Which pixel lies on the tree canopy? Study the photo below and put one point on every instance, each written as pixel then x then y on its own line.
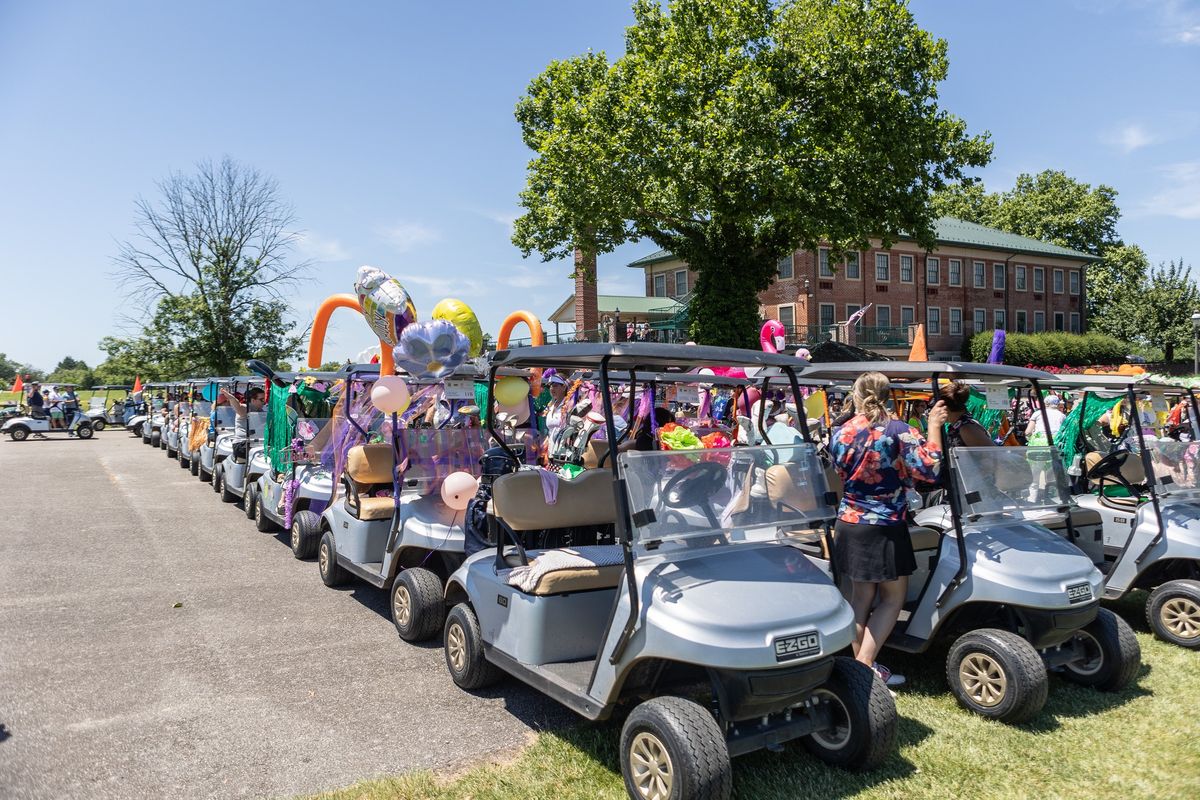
pixel 731 132
pixel 207 267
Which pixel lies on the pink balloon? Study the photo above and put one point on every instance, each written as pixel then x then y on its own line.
pixel 458 488
pixel 390 394
pixel 729 372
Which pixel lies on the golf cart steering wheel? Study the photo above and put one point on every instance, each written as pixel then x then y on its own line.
pixel 1110 467
pixel 692 487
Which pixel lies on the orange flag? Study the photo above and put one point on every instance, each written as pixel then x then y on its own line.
pixel 18 384
pixel 137 384
pixel 918 352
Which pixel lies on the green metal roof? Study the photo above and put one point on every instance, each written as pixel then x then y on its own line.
pixel 636 305
pixel 952 231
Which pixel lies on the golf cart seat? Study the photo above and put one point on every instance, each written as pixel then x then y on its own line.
pixel 570 569
pixel 369 469
pixel 1131 471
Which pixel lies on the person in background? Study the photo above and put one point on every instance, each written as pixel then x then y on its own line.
pixel 916 414
pixel 36 402
pixel 557 410
pixel 1035 431
pixel 53 402
pixel 878 458
pixel 963 430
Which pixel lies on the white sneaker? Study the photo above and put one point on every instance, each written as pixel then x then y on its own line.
pixel 889 678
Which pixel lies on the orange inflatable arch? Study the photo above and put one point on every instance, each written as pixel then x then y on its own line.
pixel 316 339
pixel 535 336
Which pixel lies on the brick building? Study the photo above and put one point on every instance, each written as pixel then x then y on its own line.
pixel 976 278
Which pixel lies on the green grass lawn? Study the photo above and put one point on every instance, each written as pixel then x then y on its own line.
pixel 1141 743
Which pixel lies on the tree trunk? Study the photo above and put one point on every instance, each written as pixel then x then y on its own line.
pixel 724 306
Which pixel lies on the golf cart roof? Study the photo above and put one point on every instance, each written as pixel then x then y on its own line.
pixel 626 356
pixel 1095 381
pixel 114 387
pixel 923 369
pixel 675 377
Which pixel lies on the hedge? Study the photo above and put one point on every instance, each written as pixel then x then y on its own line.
pixel 1053 349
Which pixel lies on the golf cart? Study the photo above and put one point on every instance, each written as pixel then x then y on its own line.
pixel 405 538
pixel 1144 488
pixel 141 424
pixel 720 634
pixel 193 428
pixel 1016 598
pixel 221 419
pixel 115 407
pixel 37 423
pixel 296 488
pixel 232 451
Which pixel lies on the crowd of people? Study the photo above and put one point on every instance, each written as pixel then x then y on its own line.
pixel 57 403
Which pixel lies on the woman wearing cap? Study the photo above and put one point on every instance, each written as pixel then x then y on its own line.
pixel 555 415
pixel 1036 430
pixel 878 458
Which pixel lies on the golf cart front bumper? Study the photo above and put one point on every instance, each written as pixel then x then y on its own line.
pixel 1047 628
pixel 753 694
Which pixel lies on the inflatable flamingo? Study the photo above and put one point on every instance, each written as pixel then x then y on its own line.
pixel 773 336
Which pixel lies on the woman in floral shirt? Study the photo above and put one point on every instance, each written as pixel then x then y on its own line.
pixel 878 458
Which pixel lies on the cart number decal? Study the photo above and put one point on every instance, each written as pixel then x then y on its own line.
pixel 1079 593
pixel 800 645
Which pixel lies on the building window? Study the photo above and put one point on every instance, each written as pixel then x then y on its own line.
pixel 932 270
pixel 883 267
pixel 1019 278
pixel 1039 321
pixel 852 270
pixel 1075 322
pixel 1039 279
pixel 827 312
pixel 1058 281
pixel 954 272
pixel 906 269
pixel 1074 281
pixel 980 275
pixel 883 316
pixel 823 268
pixel 934 317
pixel 980 319
pixel 1021 322
pixel 787 316
pixel 998 319
pixel 681 282
pixel 956 322
pixel 784 268
pixel 908 316
pixel 998 275
pixel 1059 321
pixel 660 285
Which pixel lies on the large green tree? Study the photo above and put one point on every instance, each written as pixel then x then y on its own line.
pixel 73 370
pixel 10 369
pixel 734 131
pixel 208 264
pixel 1163 309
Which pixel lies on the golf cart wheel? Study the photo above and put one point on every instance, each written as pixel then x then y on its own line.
pixel 162 443
pixel 170 453
pixel 98 425
pixel 863 714
pixel 673 749
pixel 262 522
pixel 183 462
pixel 332 573
pixel 136 430
pixel 155 439
pixel 19 433
pixel 205 475
pixel 305 534
pixel 418 610
pixel 997 674
pixel 194 464
pixel 214 479
pixel 1111 655
pixel 1173 612
pixel 250 500
pixel 84 431
pixel 226 495
pixel 464 650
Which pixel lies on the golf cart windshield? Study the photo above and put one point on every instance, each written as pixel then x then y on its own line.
pixel 1008 480
pixel 225 417
pixel 688 499
pixel 1174 465
pixel 434 454
pixel 256 422
pixel 201 408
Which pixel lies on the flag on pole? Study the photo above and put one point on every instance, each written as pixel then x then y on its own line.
pixel 918 352
pixel 137 384
pixel 18 384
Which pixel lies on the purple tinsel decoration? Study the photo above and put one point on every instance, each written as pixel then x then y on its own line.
pixel 289 501
pixel 997 354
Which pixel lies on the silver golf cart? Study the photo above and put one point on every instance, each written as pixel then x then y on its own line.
pixel 108 405
pixel 1015 597
pixel 722 633
pixel 233 454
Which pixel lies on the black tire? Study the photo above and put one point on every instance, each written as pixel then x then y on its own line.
pixel 19 433
pixel 864 716
pixel 305 534
pixel 464 651
pixel 418 607
pixel 1006 677
pixel 170 453
pixel 1173 612
pixel 205 475
pixel 226 495
pixel 155 439
pixel 332 573
pixel 84 431
pixel 1112 655
pixel 98 424
pixel 212 478
pixel 673 748
pixel 194 463
pixel 162 443
pixel 250 500
pixel 262 522
pixel 184 463
pixel 136 430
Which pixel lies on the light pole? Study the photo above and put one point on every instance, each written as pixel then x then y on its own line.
pixel 1196 343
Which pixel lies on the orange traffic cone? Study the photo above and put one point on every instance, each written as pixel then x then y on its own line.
pixel 918 352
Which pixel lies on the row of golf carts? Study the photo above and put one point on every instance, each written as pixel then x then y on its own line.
pixel 108 406
pixel 692 592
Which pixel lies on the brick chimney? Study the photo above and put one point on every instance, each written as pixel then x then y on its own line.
pixel 587 313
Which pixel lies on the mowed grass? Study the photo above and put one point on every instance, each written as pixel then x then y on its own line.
pixel 1143 742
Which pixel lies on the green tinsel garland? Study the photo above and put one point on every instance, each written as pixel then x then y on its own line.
pixel 281 429
pixel 1067 438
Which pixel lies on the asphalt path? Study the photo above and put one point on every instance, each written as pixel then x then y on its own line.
pixel 154 644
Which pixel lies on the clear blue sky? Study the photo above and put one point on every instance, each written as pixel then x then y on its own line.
pixel 389 127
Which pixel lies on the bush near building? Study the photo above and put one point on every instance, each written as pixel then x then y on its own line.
pixel 1053 349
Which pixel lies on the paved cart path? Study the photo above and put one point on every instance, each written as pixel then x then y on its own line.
pixel 262 683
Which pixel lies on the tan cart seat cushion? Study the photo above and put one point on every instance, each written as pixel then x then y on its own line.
pixel 570 569
pixel 370 463
pixel 587 499
pixel 375 508
pixel 1131 470
pixel 924 538
pixel 1080 517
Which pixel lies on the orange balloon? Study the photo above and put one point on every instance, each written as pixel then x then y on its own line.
pixel 316 339
pixel 536 339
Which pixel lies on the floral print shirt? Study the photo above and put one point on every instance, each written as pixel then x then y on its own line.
pixel 876 463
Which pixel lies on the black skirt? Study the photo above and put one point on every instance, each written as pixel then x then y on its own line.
pixel 873 553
